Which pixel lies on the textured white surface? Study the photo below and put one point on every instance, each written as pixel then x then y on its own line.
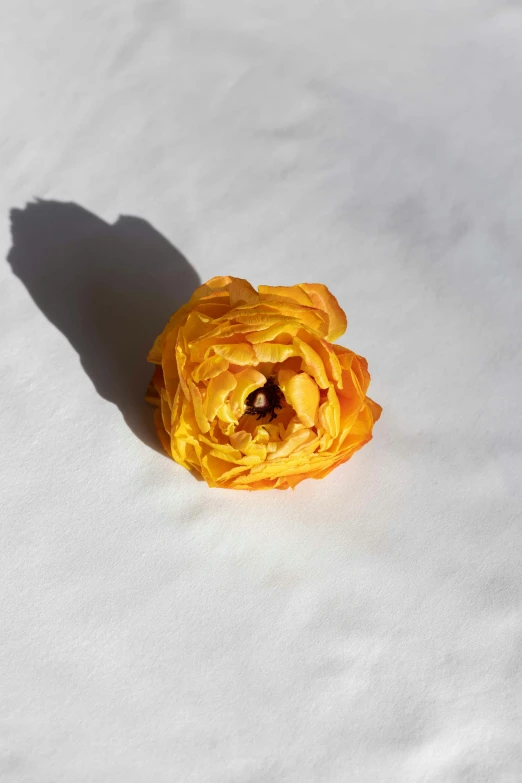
pixel 364 628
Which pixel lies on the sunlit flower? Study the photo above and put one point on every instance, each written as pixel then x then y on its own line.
pixel 251 392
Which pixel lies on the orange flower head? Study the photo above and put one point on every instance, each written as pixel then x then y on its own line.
pixel 250 390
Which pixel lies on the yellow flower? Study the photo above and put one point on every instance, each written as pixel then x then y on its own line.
pixel 250 391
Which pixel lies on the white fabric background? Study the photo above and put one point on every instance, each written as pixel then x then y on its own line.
pixel 364 628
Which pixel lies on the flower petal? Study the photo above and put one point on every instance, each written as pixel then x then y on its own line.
pixel 312 363
pixel 197 402
pixel 273 352
pixel 283 377
pixel 209 368
pixel 247 381
pixel 169 363
pixel 310 295
pixel 239 290
pixel 259 318
pixel 293 293
pixel 302 393
pixel 324 300
pixel 329 416
pixel 289 445
pixel 239 353
pixel 289 326
pixel 309 317
pixel 239 440
pixel 217 391
pixel 173 325
pixel 330 360
pixel 375 409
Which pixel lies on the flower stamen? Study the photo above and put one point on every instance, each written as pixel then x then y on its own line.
pixel 265 400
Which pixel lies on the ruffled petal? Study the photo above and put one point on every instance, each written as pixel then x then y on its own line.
pixel 246 382
pixel 170 364
pixel 239 290
pixel 289 445
pixel 324 300
pixel 218 390
pixel 302 393
pixel 375 409
pixel 240 353
pixel 314 320
pixel 310 295
pixel 209 368
pixel 292 293
pixel 288 326
pixel 312 363
pixel 240 440
pixel 330 360
pixel 199 412
pixel 272 352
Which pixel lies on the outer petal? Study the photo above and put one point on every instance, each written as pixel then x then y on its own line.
pixel 293 293
pixel 174 323
pixel 199 411
pixel 375 409
pixel 313 295
pixel 240 291
pixel 324 300
pixel 309 317
pixel 287 326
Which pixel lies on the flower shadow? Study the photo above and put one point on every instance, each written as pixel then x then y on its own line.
pixel 109 288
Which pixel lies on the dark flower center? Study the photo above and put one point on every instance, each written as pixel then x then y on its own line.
pixel 265 400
